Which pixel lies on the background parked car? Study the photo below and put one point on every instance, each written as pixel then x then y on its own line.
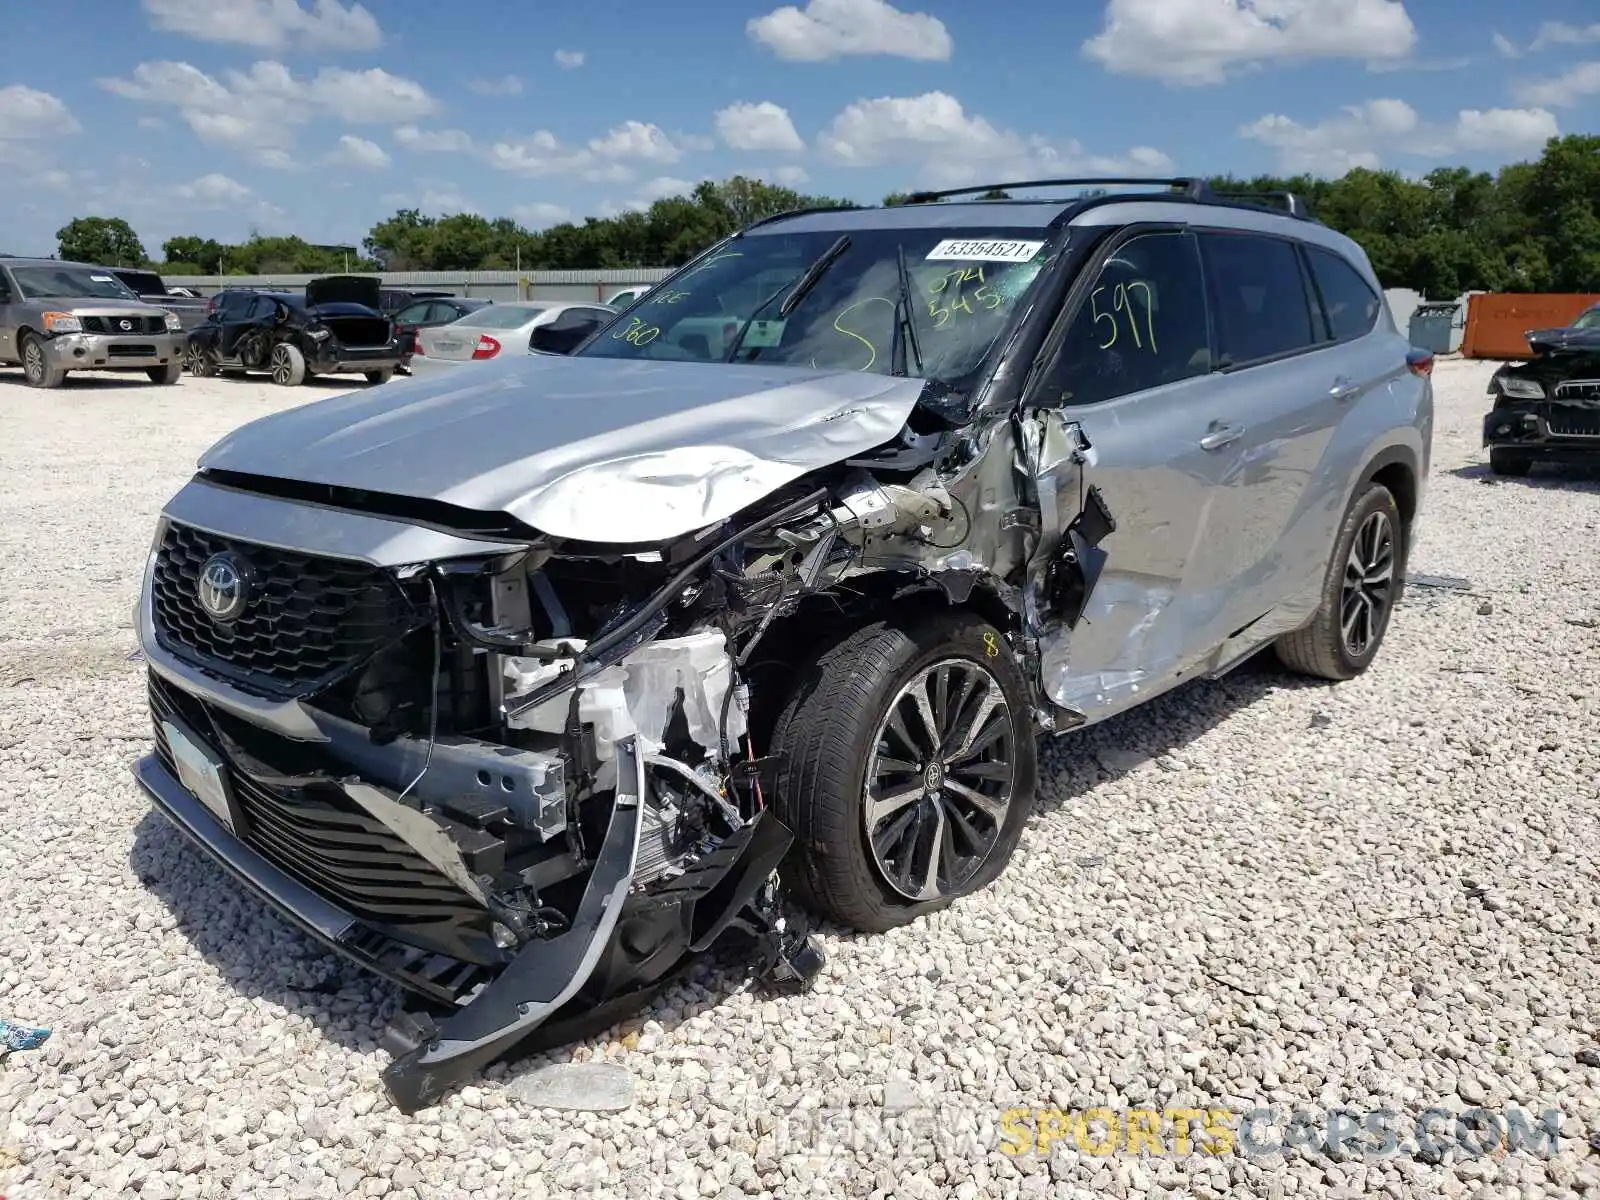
pixel 508 329
pixel 57 317
pixel 621 300
pixel 325 331
pixel 424 314
pixel 152 289
pixel 392 299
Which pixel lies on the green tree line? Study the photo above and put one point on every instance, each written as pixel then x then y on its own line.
pixel 1529 227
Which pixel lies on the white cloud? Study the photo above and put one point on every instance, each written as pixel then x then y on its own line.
pixel 791 176
pixel 152 124
pixel 571 60
pixel 212 191
pixel 541 213
pixel 506 85
pixel 437 141
pixel 763 126
pixel 442 199
pixel 1505 47
pixel 1362 134
pixel 26 113
pixel 955 148
pixel 636 139
pixel 663 186
pixel 1559 33
pixel 1194 42
pixel 256 112
pixel 543 154
pixel 269 24
pixel 1570 87
pixel 827 29
pixel 354 151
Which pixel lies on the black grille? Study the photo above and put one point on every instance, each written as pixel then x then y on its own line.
pixel 114 324
pixel 333 846
pixel 309 620
pixel 1579 389
pixel 1572 421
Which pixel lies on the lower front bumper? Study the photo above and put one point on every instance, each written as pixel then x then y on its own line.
pixel 1530 431
pixel 114 352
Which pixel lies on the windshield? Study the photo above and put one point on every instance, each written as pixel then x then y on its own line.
pixel 69 283
pixel 500 316
pixel 145 283
pixel 1589 320
pixel 965 285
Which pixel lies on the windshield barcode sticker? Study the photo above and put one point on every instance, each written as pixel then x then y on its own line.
pixel 971 250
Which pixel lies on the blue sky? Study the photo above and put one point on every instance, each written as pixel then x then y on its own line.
pixel 321 117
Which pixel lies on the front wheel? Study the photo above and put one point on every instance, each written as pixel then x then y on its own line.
pixel 1358 595
pixel 170 373
pixel 37 368
pixel 199 362
pixel 909 767
pixel 380 376
pixel 288 365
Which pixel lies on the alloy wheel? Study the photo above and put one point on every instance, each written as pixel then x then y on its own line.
pixel 941 780
pixel 282 368
pixel 33 362
pixel 1368 585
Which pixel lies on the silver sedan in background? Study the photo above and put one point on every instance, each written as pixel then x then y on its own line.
pixel 503 329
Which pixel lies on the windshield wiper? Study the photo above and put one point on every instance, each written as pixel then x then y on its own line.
pixel 905 324
pixel 795 294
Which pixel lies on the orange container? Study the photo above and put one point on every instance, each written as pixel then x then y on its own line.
pixel 1498 321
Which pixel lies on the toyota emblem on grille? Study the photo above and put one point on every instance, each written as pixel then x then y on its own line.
pixel 223 588
pixel 125 325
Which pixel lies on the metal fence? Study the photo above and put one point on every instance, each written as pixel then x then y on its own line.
pixel 489 285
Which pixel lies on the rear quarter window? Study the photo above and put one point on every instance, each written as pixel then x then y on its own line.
pixel 1349 302
pixel 1260 302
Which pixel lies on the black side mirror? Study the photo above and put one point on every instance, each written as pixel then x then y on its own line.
pixel 551 340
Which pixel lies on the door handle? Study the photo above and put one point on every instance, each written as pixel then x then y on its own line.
pixel 1343 388
pixel 1220 436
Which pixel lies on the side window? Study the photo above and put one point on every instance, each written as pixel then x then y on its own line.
pixel 439 311
pixel 412 313
pixel 235 305
pixel 260 308
pixel 1142 325
pixel 1349 302
pixel 5 289
pixel 1259 297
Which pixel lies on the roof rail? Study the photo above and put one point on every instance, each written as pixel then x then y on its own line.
pixel 1101 181
pixel 796 212
pixel 1188 188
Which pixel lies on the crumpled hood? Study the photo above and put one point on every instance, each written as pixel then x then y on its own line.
pixel 1564 338
pixel 596 449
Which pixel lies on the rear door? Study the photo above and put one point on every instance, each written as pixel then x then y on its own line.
pixel 1134 373
pixel 1285 398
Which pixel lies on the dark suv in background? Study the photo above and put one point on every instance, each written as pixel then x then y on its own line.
pixel 333 328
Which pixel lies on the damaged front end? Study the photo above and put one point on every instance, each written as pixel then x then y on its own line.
pixel 522 775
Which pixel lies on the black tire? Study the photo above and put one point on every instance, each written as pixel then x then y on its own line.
pixel 380 376
pixel 37 369
pixel 170 373
pixel 288 365
pixel 199 361
pixel 1511 463
pixel 827 735
pixel 1322 649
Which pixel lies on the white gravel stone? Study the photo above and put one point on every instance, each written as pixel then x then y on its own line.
pixel 1256 891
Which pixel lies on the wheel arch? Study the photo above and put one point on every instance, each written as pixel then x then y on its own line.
pixel 1397 469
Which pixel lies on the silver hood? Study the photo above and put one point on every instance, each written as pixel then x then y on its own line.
pixel 596 449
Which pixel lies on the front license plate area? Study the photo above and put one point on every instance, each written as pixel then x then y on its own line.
pixel 203 773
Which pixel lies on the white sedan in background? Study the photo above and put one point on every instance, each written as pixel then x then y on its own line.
pixel 497 330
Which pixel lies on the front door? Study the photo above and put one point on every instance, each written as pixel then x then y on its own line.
pixel 1134 374
pixel 8 319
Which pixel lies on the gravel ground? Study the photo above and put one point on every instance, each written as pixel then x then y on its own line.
pixel 1256 892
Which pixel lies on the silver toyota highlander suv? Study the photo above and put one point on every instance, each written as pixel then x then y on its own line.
pixel 57 317
pixel 523 690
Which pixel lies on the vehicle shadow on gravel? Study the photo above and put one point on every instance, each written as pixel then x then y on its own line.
pixel 1544 477
pixel 91 383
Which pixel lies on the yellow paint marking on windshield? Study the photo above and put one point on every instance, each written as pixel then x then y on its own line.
pixel 850 333
pixel 637 333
